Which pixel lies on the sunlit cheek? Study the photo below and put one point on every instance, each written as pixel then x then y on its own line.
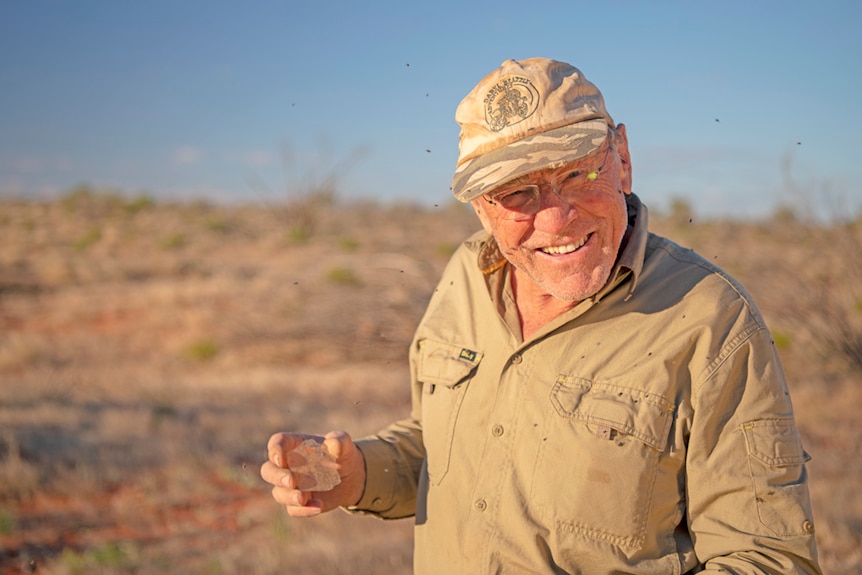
pixel 619 222
pixel 511 243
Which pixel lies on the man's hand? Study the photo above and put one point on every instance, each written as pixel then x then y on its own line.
pixel 349 463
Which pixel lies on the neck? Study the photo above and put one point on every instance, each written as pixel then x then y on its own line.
pixel 536 308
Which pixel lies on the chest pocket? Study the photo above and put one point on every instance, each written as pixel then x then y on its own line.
pixel 597 466
pixel 444 370
pixel 625 410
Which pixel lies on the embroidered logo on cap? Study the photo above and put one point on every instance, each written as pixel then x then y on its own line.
pixel 510 101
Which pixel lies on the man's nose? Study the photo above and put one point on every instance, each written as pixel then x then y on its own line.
pixel 554 211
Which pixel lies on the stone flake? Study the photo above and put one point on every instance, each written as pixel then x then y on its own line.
pixel 313 466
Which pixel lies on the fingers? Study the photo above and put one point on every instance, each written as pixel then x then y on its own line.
pixel 290 497
pixel 350 465
pixel 280 444
pixel 311 509
pixel 277 476
pixel 275 472
pixel 338 443
pixel 298 503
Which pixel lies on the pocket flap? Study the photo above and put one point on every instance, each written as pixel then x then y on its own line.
pixel 643 415
pixel 775 442
pixel 446 364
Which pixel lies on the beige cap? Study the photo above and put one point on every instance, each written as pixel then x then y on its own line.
pixel 527 115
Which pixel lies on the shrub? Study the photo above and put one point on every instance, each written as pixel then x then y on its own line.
pixel 173 241
pixel 202 350
pixel 348 244
pixel 342 276
pixel 90 237
pixel 8 523
pixel 217 224
pixel 110 556
pixel 446 249
pixel 825 301
pixel 781 339
pixel 139 203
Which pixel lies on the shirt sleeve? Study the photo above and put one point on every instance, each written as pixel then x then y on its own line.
pixel 393 458
pixel 746 487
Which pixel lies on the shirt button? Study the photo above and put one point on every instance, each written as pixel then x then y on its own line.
pixel 808 527
pixel 497 430
pixel 516 359
pixel 480 505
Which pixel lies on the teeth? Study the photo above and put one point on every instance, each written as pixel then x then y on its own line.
pixel 566 249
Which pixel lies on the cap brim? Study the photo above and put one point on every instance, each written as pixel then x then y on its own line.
pixel 550 149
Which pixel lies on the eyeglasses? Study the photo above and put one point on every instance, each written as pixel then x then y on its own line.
pixel 523 201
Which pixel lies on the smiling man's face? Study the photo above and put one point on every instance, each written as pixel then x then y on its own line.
pixel 567 249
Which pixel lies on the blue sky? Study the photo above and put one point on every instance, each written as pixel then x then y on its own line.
pixel 734 106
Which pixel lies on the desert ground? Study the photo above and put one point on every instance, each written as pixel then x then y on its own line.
pixel 148 349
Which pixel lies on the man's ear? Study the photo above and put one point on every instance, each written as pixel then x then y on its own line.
pixel 621 143
pixel 479 208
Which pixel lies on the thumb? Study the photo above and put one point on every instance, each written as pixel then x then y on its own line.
pixel 338 443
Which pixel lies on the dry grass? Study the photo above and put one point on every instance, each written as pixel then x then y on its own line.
pixel 147 352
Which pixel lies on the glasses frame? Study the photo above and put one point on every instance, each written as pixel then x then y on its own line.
pixel 533 205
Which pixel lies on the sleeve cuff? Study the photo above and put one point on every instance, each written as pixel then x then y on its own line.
pixel 380 478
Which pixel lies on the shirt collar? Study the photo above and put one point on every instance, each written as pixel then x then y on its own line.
pixel 630 260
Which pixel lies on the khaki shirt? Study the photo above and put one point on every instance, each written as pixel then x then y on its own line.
pixel 647 430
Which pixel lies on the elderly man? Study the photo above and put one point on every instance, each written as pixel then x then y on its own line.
pixel 588 397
